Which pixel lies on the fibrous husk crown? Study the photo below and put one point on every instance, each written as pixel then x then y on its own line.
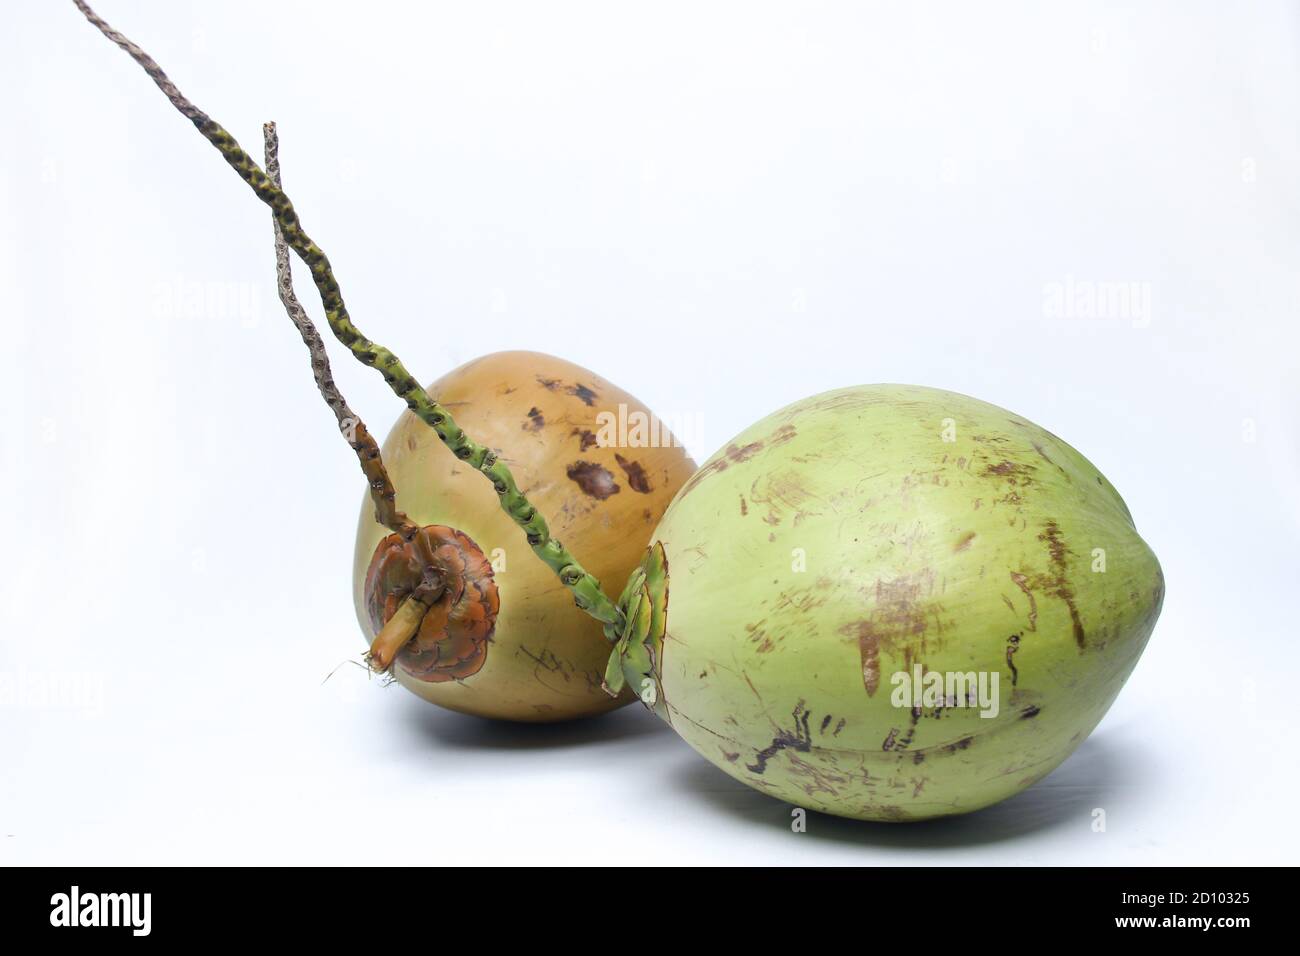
pixel 638 652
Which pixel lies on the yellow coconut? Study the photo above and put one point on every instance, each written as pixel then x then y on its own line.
pixel 505 639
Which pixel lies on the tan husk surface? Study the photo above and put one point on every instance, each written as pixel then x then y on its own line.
pixel 546 658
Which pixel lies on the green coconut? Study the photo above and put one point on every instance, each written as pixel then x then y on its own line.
pixel 889 603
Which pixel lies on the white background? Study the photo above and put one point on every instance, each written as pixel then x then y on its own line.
pixel 723 208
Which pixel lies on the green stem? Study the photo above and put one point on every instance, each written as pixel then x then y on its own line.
pixel 585 588
pixel 350 424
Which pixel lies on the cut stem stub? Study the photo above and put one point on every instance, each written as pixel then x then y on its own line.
pixel 433 603
pixel 401 627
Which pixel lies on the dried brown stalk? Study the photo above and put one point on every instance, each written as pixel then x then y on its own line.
pixel 582 584
pixel 350 424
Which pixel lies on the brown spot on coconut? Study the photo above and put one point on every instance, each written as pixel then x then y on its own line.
pixel 595 480
pixel 584 394
pixel 637 479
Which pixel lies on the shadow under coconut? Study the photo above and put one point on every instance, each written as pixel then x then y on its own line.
pixel 1095 775
pixel 448 728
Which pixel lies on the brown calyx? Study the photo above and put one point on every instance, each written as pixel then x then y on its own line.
pixel 432 603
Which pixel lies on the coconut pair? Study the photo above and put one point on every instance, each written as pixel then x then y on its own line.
pixel 778 606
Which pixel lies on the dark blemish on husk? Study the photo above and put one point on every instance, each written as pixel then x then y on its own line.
pixel 1028 712
pixel 869 651
pixel 898 624
pixel 906 740
pixel 545 660
pixel 735 454
pixel 964 542
pixel 587 395
pixel 782 435
pixel 1054 583
pixel 1022 582
pixel 711 468
pixel 593 479
pixel 582 392
pixel 800 739
pixel 1013 645
pixel 636 477
pixel 1010 470
pixel 1042 454
pixel 826 722
pixel 1059 584
pixel 1015 475
pixel 1007 601
pixel 535 420
pixel 759 636
pixel 957 745
pixel 586 438
pixel 731 758
pixel 890 740
pixel 783 493
pixel 918 757
pixel 838 728
pixel 744 508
